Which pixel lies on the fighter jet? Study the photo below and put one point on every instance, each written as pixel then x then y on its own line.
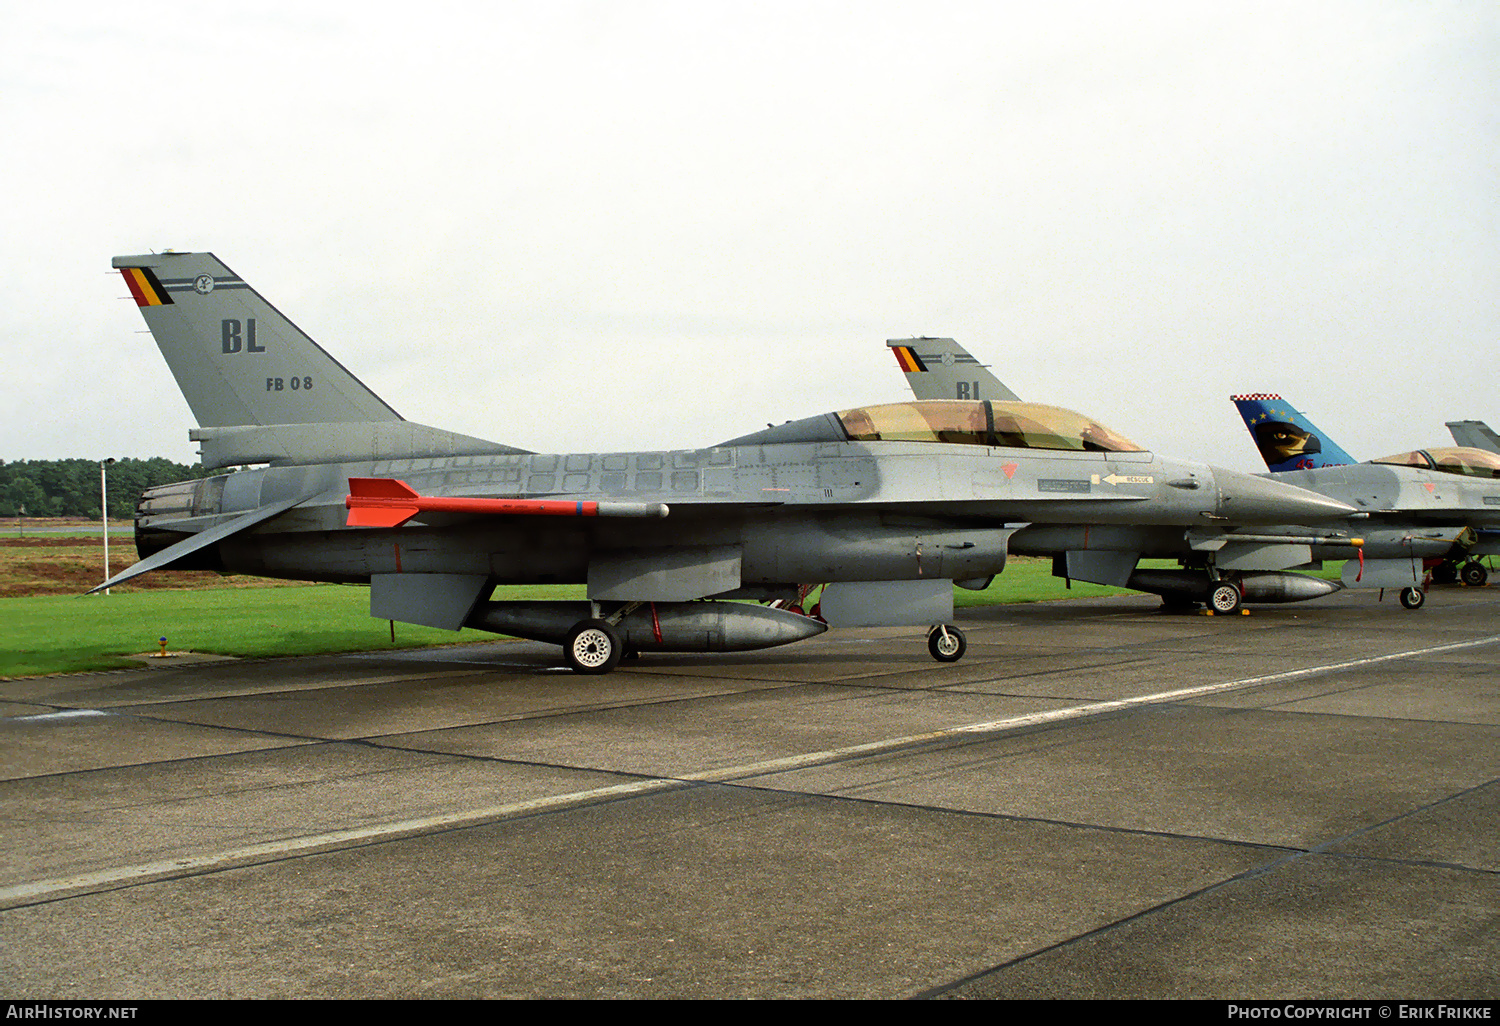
pixel 1436 508
pixel 886 505
pixel 1219 568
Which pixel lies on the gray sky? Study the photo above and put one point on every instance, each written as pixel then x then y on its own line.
pixel 632 225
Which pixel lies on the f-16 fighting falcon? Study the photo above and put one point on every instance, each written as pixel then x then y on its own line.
pixel 1434 509
pixel 888 506
pixel 1219 567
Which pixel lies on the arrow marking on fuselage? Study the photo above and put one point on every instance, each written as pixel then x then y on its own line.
pixel 1118 479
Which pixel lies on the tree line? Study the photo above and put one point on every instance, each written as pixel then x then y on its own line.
pixel 70 488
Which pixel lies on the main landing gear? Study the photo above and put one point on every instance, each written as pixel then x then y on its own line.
pixel 1225 598
pixel 593 646
pixel 1473 573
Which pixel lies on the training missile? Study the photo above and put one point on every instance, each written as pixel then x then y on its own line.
pixel 386 502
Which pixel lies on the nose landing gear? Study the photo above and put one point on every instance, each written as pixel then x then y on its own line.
pixel 946 643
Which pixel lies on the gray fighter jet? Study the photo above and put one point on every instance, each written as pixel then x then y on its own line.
pixel 886 505
pixel 1221 568
pixel 1434 509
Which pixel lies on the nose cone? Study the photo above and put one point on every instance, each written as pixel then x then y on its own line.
pixel 1245 498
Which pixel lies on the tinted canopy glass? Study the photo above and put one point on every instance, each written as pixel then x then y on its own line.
pixel 1450 460
pixel 1012 425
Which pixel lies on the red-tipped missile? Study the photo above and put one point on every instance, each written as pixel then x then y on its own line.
pixel 386 502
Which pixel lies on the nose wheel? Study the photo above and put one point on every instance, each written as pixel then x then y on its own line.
pixel 946 643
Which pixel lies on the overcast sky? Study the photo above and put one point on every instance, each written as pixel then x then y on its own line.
pixel 634 225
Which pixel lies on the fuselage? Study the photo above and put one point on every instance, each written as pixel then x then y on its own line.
pixel 794 511
pixel 1408 511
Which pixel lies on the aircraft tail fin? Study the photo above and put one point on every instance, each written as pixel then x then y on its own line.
pixel 1286 439
pixel 1474 433
pixel 940 368
pixel 237 359
pixel 256 383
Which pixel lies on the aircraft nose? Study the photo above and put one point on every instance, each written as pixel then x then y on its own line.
pixel 1247 498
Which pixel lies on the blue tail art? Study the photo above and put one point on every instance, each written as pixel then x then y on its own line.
pixel 1286 439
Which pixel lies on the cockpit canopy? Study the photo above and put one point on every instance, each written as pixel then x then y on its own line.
pixel 1449 460
pixel 982 422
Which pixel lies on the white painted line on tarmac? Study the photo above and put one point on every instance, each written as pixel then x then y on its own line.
pixel 53 717
pixel 1070 713
pixel 124 876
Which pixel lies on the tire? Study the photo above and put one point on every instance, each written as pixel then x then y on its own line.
pixel 592 646
pixel 947 644
pixel 1474 574
pixel 1412 598
pixel 1225 599
pixel 1444 573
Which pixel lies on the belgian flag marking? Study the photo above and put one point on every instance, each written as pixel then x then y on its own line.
pixel 145 287
pixel 908 359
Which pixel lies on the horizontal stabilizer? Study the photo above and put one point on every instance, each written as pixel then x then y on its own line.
pixel 172 553
pixel 386 502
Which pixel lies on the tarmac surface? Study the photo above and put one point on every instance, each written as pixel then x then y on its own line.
pixel 1098 801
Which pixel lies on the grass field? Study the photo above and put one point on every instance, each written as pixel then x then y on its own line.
pixel 67 633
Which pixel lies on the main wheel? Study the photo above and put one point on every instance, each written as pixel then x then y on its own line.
pixel 592 646
pixel 1444 573
pixel 1474 574
pixel 946 643
pixel 1225 598
pixel 1412 598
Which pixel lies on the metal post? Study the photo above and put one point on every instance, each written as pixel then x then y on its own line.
pixel 104 512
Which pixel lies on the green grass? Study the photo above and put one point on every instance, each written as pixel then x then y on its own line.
pixel 71 633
